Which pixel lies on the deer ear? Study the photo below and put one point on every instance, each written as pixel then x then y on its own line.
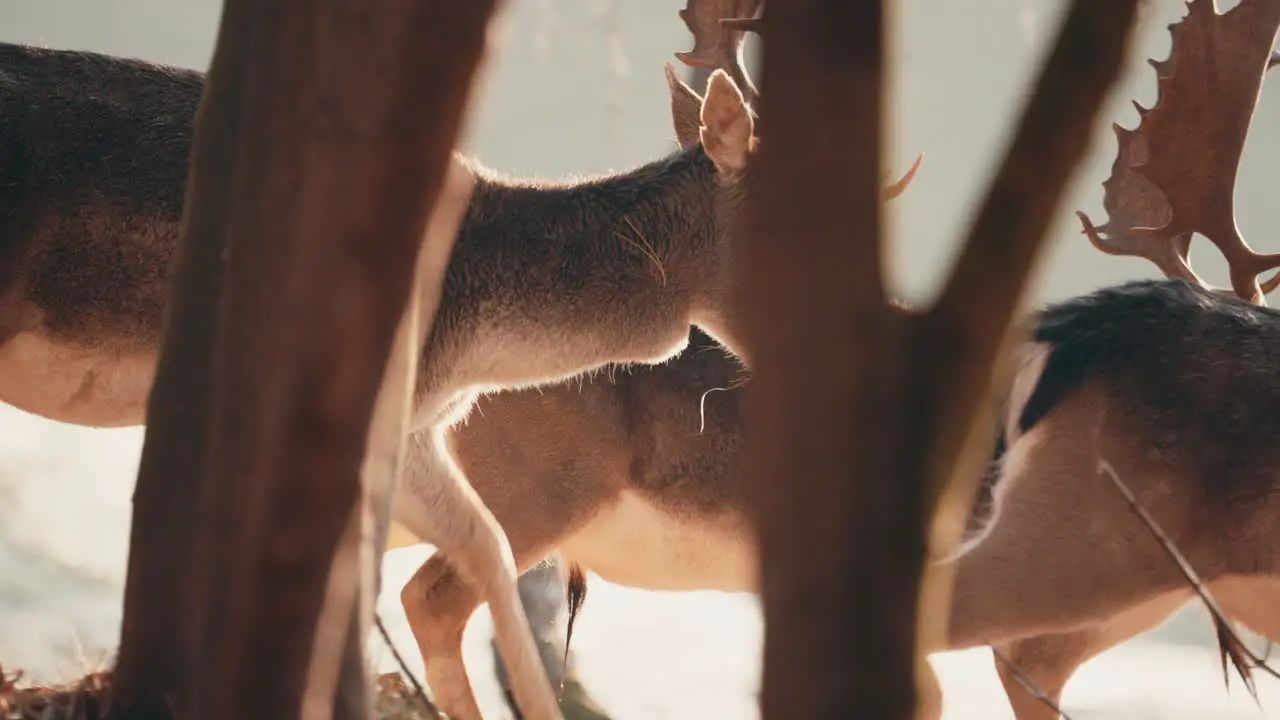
pixel 726 124
pixel 686 108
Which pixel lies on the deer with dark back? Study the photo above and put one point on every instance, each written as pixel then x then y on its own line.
pixel 544 282
pixel 1170 385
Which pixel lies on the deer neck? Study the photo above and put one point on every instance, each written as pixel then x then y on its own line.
pixel 548 280
pixel 652 228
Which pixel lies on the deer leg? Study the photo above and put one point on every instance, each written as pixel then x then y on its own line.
pixel 537 506
pixel 1049 661
pixel 438 605
pixel 438 504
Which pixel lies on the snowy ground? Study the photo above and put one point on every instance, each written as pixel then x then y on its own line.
pixel 64 511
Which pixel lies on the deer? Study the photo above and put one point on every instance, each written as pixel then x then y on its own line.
pixel 1167 386
pixel 545 280
pixel 632 472
pixel 439 599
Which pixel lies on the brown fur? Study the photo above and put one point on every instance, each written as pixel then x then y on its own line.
pixel 545 280
pixel 1066 570
pixel 1175 386
pixel 93 166
pixel 561 466
pixel 91 188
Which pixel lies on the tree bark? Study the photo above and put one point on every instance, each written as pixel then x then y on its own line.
pixel 156 637
pixel 321 148
pixel 859 413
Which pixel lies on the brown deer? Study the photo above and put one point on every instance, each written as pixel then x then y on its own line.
pixel 1170 385
pixel 633 473
pixel 581 466
pixel 545 280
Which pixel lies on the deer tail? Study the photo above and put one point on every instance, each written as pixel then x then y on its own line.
pixel 575 595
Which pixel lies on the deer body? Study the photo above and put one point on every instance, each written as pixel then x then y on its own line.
pixel 1168 388
pixel 93 164
pixel 613 474
pixel 618 472
pixel 1174 385
pixel 543 284
pixel 91 189
pixel 544 281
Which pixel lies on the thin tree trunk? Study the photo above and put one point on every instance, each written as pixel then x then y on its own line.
pixel 321 148
pixel 859 413
pixel 157 638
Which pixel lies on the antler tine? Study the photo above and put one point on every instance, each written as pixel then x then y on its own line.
pixel 903 182
pixel 718 28
pixel 1274 282
pixel 1132 201
pixel 1195 133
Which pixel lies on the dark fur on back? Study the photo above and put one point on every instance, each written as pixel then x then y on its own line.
pixel 93 168
pixel 1197 372
pixel 94 153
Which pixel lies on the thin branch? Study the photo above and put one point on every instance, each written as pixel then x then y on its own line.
pixel 1028 684
pixel 1236 649
pixel 1009 230
pixel 971 320
pixel 419 692
pixel 1053 133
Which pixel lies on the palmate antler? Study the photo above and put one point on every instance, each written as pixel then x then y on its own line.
pixel 719 29
pixel 718 36
pixel 1175 173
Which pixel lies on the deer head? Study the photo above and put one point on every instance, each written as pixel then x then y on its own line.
pixel 719 30
pixel 1175 174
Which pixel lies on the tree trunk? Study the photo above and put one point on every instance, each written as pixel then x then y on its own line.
pixel 321 147
pixel 859 413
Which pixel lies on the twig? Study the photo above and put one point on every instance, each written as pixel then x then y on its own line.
pixel 1229 641
pixel 433 712
pixel 1028 684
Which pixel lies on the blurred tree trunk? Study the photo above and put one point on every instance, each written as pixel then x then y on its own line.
pixel 322 145
pixel 859 413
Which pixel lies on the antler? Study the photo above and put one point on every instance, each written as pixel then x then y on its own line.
pixel 1176 173
pixel 718 28
pixel 899 187
pixel 1131 201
